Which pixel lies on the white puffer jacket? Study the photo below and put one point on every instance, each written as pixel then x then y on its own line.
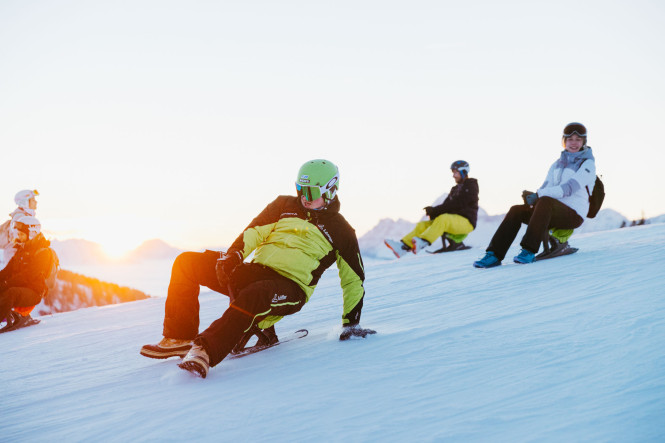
pixel 570 180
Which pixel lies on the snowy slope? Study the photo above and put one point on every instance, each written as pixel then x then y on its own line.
pixel 570 349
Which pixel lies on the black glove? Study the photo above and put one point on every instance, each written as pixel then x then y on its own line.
pixel 428 211
pixel 226 264
pixel 355 331
pixel 529 197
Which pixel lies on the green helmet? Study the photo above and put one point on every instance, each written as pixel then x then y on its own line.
pixel 318 178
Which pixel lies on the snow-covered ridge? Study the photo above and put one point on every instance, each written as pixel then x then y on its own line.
pixel 79 251
pixel 74 291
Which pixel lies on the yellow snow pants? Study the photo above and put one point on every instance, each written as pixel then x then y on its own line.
pixel 431 230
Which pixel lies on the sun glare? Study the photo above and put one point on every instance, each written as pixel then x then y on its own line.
pixel 117 250
pixel 115 238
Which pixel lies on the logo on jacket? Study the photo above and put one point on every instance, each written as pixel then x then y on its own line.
pixel 325 232
pixel 277 298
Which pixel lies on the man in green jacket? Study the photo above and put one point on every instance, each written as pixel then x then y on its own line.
pixel 294 240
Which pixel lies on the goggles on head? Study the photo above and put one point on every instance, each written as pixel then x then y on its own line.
pixel 574 129
pixel 313 192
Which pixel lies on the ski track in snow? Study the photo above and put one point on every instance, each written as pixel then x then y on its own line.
pixel 571 348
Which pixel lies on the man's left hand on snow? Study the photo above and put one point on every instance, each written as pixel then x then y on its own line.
pixel 355 331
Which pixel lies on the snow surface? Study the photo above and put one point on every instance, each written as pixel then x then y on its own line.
pixel 569 349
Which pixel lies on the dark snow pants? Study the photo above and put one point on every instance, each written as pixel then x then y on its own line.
pixel 17 297
pixel 256 292
pixel 547 213
pixel 190 271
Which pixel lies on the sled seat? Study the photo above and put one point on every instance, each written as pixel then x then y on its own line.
pixel 562 235
pixel 452 242
pixel 457 238
pixel 555 239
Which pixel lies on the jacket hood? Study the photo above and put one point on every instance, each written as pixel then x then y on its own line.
pixel 586 153
pixel 568 158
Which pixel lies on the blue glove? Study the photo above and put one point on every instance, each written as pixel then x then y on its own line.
pixel 354 331
pixel 530 198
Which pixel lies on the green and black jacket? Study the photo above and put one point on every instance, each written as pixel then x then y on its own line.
pixel 300 244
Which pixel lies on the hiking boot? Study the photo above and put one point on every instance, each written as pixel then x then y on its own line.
pixel 20 321
pixel 167 347
pixel 196 361
pixel 399 248
pixel 524 257
pixel 418 244
pixel 12 320
pixel 489 261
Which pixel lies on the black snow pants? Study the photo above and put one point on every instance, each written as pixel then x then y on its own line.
pixel 255 290
pixel 17 297
pixel 190 271
pixel 546 214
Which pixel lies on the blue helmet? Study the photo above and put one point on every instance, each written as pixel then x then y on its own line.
pixel 461 166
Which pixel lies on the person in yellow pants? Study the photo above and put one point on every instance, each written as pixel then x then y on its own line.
pixel 457 215
pixel 431 230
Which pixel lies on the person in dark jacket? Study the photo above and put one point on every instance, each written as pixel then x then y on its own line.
pixel 293 241
pixel 457 215
pixel 24 281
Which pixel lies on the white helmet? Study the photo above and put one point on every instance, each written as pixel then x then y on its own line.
pixel 28 225
pixel 22 198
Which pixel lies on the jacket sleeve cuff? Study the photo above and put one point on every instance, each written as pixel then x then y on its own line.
pixel 552 191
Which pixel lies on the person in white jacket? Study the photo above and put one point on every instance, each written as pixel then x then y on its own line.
pixel 561 202
pixel 26 203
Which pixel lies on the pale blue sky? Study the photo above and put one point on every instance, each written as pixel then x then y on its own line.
pixel 182 120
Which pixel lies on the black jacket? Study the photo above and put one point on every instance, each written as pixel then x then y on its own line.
pixel 462 200
pixel 30 266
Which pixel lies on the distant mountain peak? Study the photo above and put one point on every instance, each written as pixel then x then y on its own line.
pixel 153 249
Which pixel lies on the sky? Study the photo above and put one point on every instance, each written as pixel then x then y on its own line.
pixel 182 120
pixel 461 355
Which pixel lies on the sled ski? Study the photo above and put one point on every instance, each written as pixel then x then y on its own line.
pixel 461 247
pixel 553 247
pixel 561 250
pixel 261 344
pixel 18 322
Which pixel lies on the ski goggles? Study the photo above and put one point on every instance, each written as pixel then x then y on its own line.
pixel 578 129
pixel 313 192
